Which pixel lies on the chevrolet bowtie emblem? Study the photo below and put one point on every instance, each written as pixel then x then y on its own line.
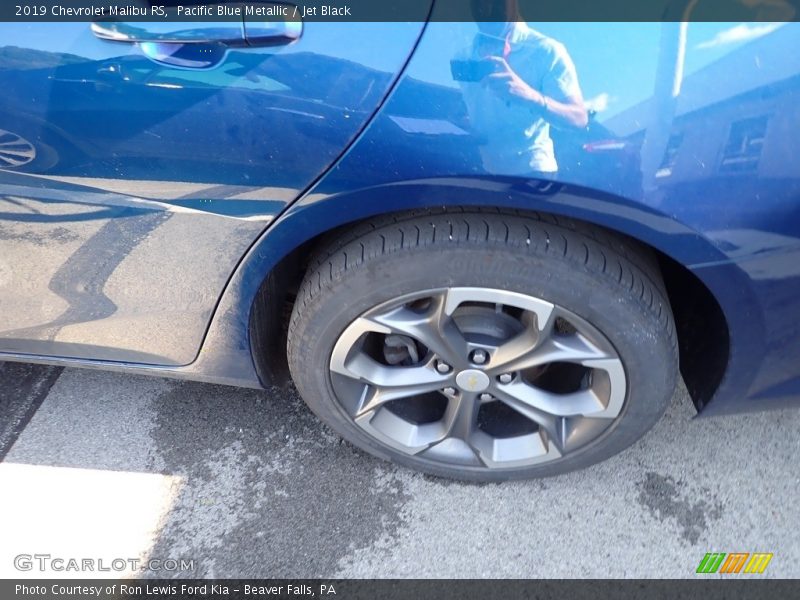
pixel 472 380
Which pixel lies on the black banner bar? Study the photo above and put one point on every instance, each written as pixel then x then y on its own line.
pixel 29 11
pixel 704 587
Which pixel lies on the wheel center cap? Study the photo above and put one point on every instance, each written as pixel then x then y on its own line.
pixel 472 380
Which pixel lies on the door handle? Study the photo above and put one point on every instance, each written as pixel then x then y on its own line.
pixel 248 31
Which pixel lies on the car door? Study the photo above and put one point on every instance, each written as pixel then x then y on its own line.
pixel 135 174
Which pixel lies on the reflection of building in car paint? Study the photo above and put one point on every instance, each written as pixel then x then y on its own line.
pixel 736 128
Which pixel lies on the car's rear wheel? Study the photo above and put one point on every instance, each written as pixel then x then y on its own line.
pixel 484 346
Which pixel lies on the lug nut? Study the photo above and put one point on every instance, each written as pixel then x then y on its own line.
pixel 448 391
pixel 479 357
pixel 506 378
pixel 442 367
pixel 486 397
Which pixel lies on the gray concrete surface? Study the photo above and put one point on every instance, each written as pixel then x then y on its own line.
pixel 250 484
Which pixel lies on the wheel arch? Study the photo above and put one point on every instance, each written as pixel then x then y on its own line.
pixel 704 351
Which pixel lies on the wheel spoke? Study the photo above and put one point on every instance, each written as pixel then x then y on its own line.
pixel 527 350
pixel 460 422
pixel 553 425
pixel 434 328
pixel 513 354
pixel 521 394
pixel 461 417
pixel 579 431
pixel 388 383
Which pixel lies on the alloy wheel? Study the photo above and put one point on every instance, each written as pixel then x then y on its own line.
pixel 478 377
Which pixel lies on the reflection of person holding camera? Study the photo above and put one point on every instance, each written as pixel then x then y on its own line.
pixel 516 82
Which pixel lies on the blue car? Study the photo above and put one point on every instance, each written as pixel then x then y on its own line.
pixel 485 249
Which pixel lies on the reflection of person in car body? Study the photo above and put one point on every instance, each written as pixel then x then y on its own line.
pixel 529 83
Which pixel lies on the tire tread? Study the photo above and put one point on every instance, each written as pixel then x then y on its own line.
pixel 634 269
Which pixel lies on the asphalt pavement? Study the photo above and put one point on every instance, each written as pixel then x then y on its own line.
pixel 241 483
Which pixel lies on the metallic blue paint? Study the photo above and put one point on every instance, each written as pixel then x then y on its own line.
pixel 143 169
pixel 705 170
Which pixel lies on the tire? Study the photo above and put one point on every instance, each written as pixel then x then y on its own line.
pixel 608 304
